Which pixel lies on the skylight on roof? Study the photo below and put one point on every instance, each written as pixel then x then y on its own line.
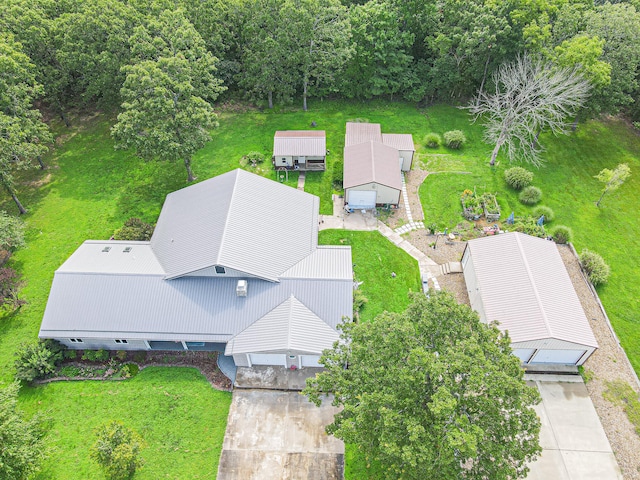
pixel 126 250
pixel 106 249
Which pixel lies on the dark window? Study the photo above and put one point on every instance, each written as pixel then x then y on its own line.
pixel 126 250
pixel 121 341
pixel 106 249
pixel 75 340
pixel 220 270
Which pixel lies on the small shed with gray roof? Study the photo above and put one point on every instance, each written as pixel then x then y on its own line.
pixel 303 150
pixel 521 282
pixel 228 266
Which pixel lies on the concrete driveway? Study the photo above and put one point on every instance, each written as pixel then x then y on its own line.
pixel 280 436
pixel 572 438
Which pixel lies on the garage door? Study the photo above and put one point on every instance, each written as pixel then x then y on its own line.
pixel 524 354
pixel 563 357
pixel 310 360
pixel 361 199
pixel 268 359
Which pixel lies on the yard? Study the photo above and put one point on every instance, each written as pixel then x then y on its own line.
pixel 90 189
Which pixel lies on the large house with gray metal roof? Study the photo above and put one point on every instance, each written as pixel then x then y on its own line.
pixel 233 264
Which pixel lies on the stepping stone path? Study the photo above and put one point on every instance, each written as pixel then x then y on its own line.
pixel 406 228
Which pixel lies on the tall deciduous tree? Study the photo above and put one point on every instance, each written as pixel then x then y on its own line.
pixel 380 64
pixel 117 450
pixel 22 448
pixel 612 179
pixel 167 112
pixel 530 95
pixel 317 35
pixel 23 135
pixel 431 393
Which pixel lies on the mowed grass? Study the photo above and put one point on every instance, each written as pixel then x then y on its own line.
pixel 180 417
pixel 569 188
pixel 374 259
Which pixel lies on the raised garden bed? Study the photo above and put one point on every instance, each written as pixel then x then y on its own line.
pixel 491 207
pixel 472 206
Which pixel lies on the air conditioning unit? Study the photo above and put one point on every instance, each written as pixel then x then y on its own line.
pixel 241 288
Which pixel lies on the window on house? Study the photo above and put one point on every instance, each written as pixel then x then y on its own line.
pixel 106 249
pixel 121 341
pixel 75 340
pixel 220 270
pixel 126 250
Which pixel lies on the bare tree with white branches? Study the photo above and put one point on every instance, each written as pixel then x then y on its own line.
pixel 530 96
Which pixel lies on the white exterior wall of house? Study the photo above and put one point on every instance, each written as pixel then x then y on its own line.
pixel 290 161
pixel 103 344
pixel 284 359
pixel 407 159
pixel 384 194
pixel 283 161
pixel 473 289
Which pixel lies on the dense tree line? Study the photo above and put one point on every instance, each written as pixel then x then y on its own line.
pixel 289 50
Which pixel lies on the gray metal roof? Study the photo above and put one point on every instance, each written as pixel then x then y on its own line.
pixel 371 162
pixel 189 308
pixel 525 286
pixel 357 133
pixel 117 257
pixel 399 141
pixel 328 262
pixel 237 220
pixel 312 143
pixel 290 326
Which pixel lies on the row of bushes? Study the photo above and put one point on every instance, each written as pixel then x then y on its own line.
pixel 454 139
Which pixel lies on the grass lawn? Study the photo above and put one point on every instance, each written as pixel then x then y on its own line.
pixel 568 187
pixel 181 418
pixel 90 189
pixel 374 258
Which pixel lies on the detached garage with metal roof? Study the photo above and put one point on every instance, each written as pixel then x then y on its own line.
pixel 521 282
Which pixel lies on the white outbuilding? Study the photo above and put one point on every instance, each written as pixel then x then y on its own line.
pixel 521 282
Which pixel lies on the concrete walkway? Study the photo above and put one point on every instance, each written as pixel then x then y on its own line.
pixel 411 225
pixel 574 445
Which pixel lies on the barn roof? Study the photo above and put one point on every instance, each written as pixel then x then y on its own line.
pixel 524 285
pixel 371 162
pixel 311 143
pixel 399 141
pixel 362 132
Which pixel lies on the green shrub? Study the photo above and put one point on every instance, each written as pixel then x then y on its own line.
pixel 70 354
pixel 530 195
pixel 359 301
pixel 36 360
pixel 121 355
pixel 548 213
pixel 134 229
pixel 432 140
pixel 518 177
pixel 69 371
pixel 129 370
pixel 529 226
pixel 96 355
pixel 597 269
pixel 454 139
pixel 252 158
pixel 117 450
pixel 562 234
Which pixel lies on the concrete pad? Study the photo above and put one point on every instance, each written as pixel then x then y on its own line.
pixel 572 438
pixel 279 435
pixel 274 378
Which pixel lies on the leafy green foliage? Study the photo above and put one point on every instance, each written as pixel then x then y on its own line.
pixel 455 139
pixel 134 229
pixel 529 226
pixel 597 269
pixel 359 302
pixel 612 179
pixel 431 393
pixel 37 360
pixel 96 355
pixel 11 232
pixel 432 140
pixel 23 447
pixel 530 195
pixel 518 177
pixel 166 111
pixel 562 234
pixel 10 284
pixel 548 213
pixel 117 450
pixel 253 159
